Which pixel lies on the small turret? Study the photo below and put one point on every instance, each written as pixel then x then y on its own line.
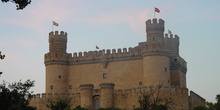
pixel 155 30
pixel 106 91
pixel 86 95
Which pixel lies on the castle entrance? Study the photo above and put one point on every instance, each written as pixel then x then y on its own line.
pixel 96 102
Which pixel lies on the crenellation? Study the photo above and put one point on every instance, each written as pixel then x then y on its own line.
pixel 108 52
pixel 124 50
pixel 119 51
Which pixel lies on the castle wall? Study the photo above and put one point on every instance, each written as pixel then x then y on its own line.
pixel 125 99
pixel 195 100
pixel 124 74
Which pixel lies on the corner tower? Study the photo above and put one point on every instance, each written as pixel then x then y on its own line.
pixel 156 61
pixel 56 62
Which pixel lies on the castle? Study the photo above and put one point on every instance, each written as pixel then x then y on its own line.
pixel 115 78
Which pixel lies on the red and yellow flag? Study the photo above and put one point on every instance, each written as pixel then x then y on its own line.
pixel 55 24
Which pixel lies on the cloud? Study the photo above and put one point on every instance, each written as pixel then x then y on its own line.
pixel 40 15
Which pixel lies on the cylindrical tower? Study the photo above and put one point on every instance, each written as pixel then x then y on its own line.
pixel 56 63
pixel 86 96
pixel 156 61
pixel 106 95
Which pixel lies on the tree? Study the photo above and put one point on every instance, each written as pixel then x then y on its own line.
pixel 199 108
pixel 217 105
pixel 16 96
pixel 151 100
pixel 1 57
pixel 110 108
pixel 210 106
pixel 59 104
pixel 20 4
pixel 79 108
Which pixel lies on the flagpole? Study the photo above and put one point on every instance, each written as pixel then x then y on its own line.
pixel 154 14
pixel 52 26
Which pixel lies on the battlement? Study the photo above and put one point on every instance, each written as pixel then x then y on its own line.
pixel 86 86
pixel 170 39
pixel 145 89
pixel 62 34
pixel 152 25
pixel 119 52
pixel 51 95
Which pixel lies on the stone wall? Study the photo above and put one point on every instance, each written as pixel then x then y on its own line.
pixel 196 100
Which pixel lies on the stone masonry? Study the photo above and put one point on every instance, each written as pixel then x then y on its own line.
pixel 116 78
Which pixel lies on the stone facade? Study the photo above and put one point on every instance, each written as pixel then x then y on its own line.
pixel 110 78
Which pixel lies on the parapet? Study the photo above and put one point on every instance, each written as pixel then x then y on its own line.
pixel 145 89
pixel 107 85
pixel 170 39
pixel 154 25
pixel 62 34
pixel 51 95
pixel 86 86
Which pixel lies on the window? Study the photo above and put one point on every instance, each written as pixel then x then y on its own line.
pixel 70 87
pixel 104 75
pixel 175 59
pixel 51 87
pixel 168 81
pixel 140 83
pixel 59 76
pixel 165 69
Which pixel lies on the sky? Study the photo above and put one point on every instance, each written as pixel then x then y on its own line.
pixel 110 24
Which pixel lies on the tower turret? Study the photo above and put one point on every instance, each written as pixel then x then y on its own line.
pixel 57 42
pixel 154 30
pixel 156 61
pixel 86 95
pixel 106 92
pixel 56 62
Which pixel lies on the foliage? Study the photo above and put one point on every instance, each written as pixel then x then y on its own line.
pixel 200 108
pixel 1 56
pixel 59 104
pixel 217 105
pixel 79 108
pixel 151 100
pixel 210 106
pixel 20 4
pixel 110 108
pixel 16 96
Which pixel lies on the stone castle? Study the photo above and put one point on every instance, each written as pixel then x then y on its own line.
pixel 116 78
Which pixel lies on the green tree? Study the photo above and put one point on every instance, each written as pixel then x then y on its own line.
pixel 79 108
pixel 20 4
pixel 59 104
pixel 200 108
pixel 110 108
pixel 210 106
pixel 16 96
pixel 217 105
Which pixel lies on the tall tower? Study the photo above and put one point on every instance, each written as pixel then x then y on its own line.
pixel 156 66
pixel 56 63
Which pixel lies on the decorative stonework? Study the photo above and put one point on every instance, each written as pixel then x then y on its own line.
pixel 86 86
pixel 107 85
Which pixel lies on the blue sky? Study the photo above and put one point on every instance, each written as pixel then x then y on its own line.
pixel 110 24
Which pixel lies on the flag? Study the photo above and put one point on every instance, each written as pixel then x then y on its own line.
pixel 55 24
pixel 96 47
pixel 169 32
pixel 157 10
